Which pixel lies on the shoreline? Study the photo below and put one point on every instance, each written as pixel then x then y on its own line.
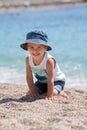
pixel 16 8
pixel 17 112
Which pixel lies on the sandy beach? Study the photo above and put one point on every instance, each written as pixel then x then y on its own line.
pixel 15 8
pixel 18 112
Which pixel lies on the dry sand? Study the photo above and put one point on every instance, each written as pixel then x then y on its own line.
pixel 18 113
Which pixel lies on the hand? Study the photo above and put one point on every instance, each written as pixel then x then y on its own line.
pixel 50 98
pixel 34 93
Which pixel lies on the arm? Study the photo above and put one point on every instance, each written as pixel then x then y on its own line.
pixel 29 77
pixel 50 71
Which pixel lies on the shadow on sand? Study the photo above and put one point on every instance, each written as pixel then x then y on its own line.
pixel 22 99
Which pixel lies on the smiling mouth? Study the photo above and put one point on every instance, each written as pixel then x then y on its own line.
pixel 36 54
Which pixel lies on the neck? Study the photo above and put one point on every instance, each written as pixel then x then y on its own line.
pixel 38 60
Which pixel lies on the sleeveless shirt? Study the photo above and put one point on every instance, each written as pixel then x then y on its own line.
pixel 40 70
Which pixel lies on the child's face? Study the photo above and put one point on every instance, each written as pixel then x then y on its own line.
pixel 36 50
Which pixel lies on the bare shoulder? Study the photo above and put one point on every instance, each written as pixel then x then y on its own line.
pixel 51 62
pixel 27 60
pixel 50 65
pixel 27 63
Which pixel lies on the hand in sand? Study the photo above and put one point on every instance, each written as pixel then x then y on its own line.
pixel 50 98
pixel 34 94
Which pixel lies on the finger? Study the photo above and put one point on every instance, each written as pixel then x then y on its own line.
pixel 50 98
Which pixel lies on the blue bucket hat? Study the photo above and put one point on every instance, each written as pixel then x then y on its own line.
pixel 36 37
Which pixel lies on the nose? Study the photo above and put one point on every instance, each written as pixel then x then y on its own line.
pixel 35 50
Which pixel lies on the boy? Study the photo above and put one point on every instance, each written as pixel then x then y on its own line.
pixel 50 79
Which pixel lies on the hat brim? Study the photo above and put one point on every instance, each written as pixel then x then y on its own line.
pixel 34 41
pixel 24 46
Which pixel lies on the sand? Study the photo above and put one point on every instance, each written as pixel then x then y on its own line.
pixel 17 8
pixel 20 113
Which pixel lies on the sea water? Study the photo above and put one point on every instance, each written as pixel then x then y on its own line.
pixel 67 32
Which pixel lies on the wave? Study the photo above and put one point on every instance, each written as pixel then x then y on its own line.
pixel 16 76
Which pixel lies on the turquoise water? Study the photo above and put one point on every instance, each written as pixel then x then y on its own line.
pixel 67 32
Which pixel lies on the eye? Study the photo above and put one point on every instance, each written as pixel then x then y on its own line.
pixel 31 47
pixel 39 47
